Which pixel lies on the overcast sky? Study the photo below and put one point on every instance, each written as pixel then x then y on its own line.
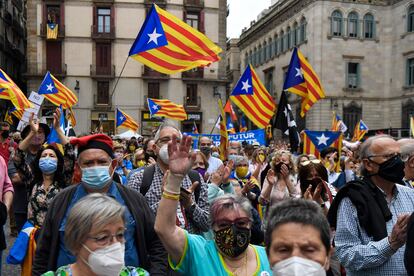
pixel 241 13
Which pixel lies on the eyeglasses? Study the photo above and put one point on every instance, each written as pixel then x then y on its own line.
pixel 240 222
pixel 165 140
pixel 105 238
pixel 386 156
pixel 307 162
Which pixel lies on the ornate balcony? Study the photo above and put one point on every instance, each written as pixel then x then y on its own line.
pixel 196 73
pixel 192 104
pixel 151 74
pixel 61 31
pixel 100 72
pixel 100 35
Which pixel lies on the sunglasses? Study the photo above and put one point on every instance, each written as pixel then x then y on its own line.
pixel 307 162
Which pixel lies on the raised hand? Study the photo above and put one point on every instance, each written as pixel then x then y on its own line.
pixel 227 171
pixel 217 176
pixel 56 118
pixel 180 159
pixel 271 177
pixel 34 123
pixel 284 170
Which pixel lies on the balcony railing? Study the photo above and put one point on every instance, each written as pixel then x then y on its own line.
pixel 97 34
pixel 198 3
pixel 196 73
pixel 102 103
pixel 61 31
pixel 158 2
pixel 192 103
pixel 149 73
pixel 59 72
pixel 103 72
pixel 103 1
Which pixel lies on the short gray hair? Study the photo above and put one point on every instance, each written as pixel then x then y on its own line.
pixel 241 159
pixel 407 149
pixel 94 210
pixel 365 150
pixel 166 124
pixel 229 202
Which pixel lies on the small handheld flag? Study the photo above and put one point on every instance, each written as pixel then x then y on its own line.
pixel 302 80
pixel 243 125
pixel 229 109
pixel 166 108
pixel 338 124
pixel 359 131
pixel 252 98
pixel 10 91
pixel 71 116
pixel 124 120
pixel 195 129
pixel 7 117
pixel 56 92
pixel 230 126
pixel 168 45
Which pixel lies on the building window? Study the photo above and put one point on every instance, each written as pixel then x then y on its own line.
pixel 302 30
pixel 53 14
pixel 410 72
pixel 269 49
pixel 154 90
pixel 410 19
pixel 353 24
pixel 352 115
pixel 265 56
pixel 193 19
pixel 268 78
pixel 289 38
pixel 352 78
pixel 254 57
pixel 191 99
pixel 102 92
pixel 336 23
pixel 103 58
pixel 104 20
pixel 407 113
pixel 369 26
pixel 250 58
pixel 295 34
pixel 276 45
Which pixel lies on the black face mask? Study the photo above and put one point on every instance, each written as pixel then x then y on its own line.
pixel 232 240
pixel 5 134
pixel 148 155
pixel 205 150
pixel 391 170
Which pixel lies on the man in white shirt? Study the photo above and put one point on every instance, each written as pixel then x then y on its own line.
pixel 205 147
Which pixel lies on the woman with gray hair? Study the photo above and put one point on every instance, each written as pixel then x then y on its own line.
pixel 230 253
pixel 94 233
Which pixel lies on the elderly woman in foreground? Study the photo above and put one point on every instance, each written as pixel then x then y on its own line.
pixel 230 253
pixel 94 233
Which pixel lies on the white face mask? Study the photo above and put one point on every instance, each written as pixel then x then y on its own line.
pixel 163 154
pixel 107 261
pixel 295 266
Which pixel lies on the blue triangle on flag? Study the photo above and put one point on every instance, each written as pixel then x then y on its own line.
pixel 362 126
pixel 3 77
pixel 153 107
pixel 51 25
pixel 48 85
pixel 245 85
pixel 151 35
pixel 294 74
pixel 322 139
pixel 120 117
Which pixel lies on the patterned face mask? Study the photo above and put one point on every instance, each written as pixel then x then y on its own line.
pixel 232 240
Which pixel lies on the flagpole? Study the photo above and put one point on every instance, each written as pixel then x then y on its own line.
pixel 212 129
pixel 117 80
pixel 116 119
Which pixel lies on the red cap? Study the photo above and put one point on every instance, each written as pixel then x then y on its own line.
pixel 96 141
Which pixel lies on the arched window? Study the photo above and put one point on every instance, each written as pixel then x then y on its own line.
pixel 250 57
pixel 289 38
pixel 352 113
pixel 270 48
pixel 254 63
pixel 295 34
pixel 276 42
pixel 246 61
pixel 336 23
pixel 302 30
pixel 353 24
pixel 265 56
pixel 369 26
pixel 410 19
pixel 282 42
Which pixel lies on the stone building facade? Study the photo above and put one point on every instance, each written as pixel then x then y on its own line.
pixel 362 50
pixel 91 49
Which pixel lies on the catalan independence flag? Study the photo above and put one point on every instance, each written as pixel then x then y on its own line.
pixel 56 92
pixel 338 124
pixel 316 141
pixel 16 112
pixel 168 45
pixel 302 80
pixel 359 131
pixel 52 31
pixel 8 118
pixel 230 125
pixel 124 120
pixel 224 136
pixel 228 108
pixel 10 91
pixel 252 98
pixel 70 116
pixel 243 125
pixel 166 108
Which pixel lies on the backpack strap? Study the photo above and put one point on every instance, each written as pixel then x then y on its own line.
pixel 147 179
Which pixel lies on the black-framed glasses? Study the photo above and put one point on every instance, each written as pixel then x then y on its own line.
pixel 105 238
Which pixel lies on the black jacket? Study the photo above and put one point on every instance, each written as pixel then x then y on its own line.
pixel 151 253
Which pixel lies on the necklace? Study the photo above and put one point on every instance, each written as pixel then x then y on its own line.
pixel 235 270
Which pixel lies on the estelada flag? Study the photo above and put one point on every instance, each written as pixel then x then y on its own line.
pixel 124 120
pixel 168 45
pixel 166 108
pixel 56 92
pixel 252 98
pixel 316 141
pixel 52 31
pixel 359 131
pixel 10 91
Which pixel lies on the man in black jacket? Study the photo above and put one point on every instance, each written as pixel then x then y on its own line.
pixel 142 246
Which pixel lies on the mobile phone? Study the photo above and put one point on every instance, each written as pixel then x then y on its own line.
pixel 184 190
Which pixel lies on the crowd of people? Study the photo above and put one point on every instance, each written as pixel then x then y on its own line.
pixel 166 206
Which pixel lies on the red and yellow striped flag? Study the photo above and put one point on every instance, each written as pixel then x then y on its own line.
pixel 168 45
pixel 166 108
pixel 124 120
pixel 52 31
pixel 302 80
pixel 10 91
pixel 56 92
pixel 71 116
pixel 224 137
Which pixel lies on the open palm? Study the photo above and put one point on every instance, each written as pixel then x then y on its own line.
pixel 180 158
